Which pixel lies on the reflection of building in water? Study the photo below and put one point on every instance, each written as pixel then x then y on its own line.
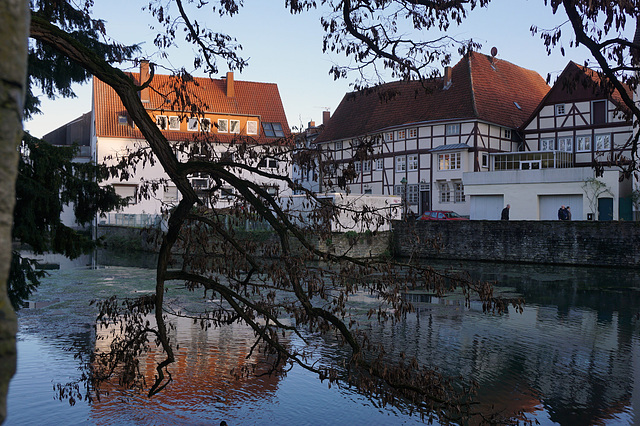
pixel 204 378
pixel 569 354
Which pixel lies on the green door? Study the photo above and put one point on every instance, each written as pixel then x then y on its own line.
pixel 605 208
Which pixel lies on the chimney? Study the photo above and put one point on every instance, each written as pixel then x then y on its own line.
pixel 447 78
pixel 144 77
pixel 326 115
pixel 230 89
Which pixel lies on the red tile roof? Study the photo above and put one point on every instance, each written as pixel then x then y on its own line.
pixel 260 100
pixel 483 88
pixel 578 83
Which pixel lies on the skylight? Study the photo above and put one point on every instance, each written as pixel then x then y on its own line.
pixel 517 105
pixel 272 130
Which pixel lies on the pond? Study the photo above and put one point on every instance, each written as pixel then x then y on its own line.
pixel 571 358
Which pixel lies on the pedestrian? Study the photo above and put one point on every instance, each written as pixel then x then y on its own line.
pixel 568 213
pixel 562 213
pixel 505 213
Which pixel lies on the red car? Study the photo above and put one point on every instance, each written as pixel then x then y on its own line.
pixel 441 215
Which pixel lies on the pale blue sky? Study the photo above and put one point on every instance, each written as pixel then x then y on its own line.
pixel 287 50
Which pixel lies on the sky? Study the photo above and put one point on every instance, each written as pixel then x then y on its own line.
pixel 287 50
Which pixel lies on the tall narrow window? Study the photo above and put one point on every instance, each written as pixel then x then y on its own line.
pixel 603 142
pixel 598 112
pixel 412 162
pixel 584 143
pixel 565 144
pixel 401 163
pixel 234 126
pixel 162 122
pixel 458 188
pixel 223 125
pixel 445 193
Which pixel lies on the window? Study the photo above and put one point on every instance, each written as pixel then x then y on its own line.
pixel 272 130
pixel 205 125
pixel 252 127
pixel 358 166
pixel 338 146
pixel 368 191
pixel 449 161
pixel 603 142
pixel 584 143
pixel 485 159
pixel 565 144
pixel 126 191
pixel 458 189
pixel 269 163
pixel 227 192
pixel 379 164
pixel 234 126
pixel 192 124
pixel 170 193
pixel 122 119
pixel 452 129
pixel 412 162
pixel 161 122
pixel 398 190
pixel 598 112
pixel 388 136
pixel 547 144
pixel 402 134
pixel 401 164
pixel 445 193
pixel 507 134
pixel 366 166
pixel 560 109
pixel 413 133
pixel 223 125
pixel 413 194
pixel 174 122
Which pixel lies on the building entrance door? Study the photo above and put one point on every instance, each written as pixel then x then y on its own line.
pixel 424 202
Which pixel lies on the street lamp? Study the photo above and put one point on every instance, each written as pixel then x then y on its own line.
pixel 404 197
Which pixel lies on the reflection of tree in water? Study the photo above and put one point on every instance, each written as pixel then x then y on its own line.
pixel 210 371
pixel 570 352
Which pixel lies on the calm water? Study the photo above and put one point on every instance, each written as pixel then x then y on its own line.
pixel 572 357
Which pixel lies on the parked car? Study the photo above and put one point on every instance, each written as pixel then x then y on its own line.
pixel 441 215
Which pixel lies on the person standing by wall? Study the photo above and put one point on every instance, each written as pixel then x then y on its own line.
pixel 562 213
pixel 505 213
pixel 567 213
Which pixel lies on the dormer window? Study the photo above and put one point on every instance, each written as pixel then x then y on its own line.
pixel 252 127
pixel 162 122
pixel 223 125
pixel 174 122
pixel 272 130
pixel 205 125
pixel 192 124
pixel 234 126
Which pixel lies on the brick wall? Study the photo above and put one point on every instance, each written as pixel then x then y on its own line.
pixel 554 242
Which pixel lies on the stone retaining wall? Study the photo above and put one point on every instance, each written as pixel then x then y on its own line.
pixel 552 242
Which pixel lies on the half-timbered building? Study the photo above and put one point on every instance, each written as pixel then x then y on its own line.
pixel 579 124
pixel 417 138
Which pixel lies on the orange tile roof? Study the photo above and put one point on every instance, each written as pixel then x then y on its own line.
pixel 251 99
pixel 481 89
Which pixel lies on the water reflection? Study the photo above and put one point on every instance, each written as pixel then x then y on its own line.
pixel 571 358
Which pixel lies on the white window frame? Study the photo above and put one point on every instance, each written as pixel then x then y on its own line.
pixel 547 144
pixel 205 125
pixel 223 125
pixel 252 127
pixel 449 161
pixel 338 146
pixel 160 119
pixel 458 192
pixel 583 143
pixel 358 166
pixel 565 143
pixel 170 193
pixel 413 133
pixel 234 126
pixel 401 163
pixel 560 109
pixel 603 142
pixel 445 192
pixel 485 159
pixel 192 124
pixel 402 134
pixel 507 134
pixel 412 162
pixel 388 136
pixel 413 194
pixel 174 122
pixel 366 166
pixel 379 164
pixel 452 129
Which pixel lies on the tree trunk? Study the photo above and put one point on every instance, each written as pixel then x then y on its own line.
pixel 14 30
